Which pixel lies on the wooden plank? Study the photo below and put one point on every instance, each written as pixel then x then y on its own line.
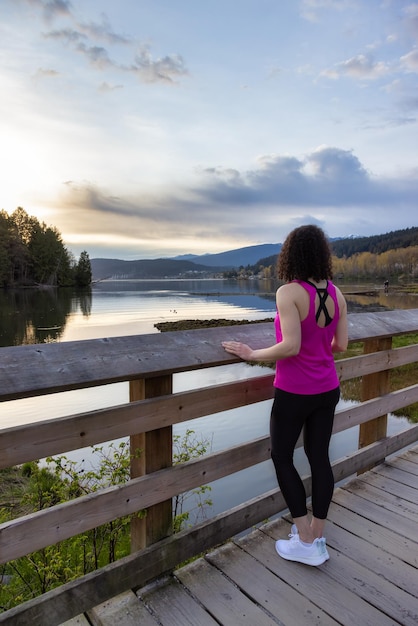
pixel 40 439
pixel 49 368
pixel 348 466
pixel 373 386
pixel 314 582
pixel 413 455
pixel 54 436
pixel 386 500
pixel 404 464
pixel 409 494
pixel 156 453
pixel 383 324
pixel 222 599
pixel 269 591
pixel 398 475
pixel 173 606
pixel 80 620
pixel 370 409
pixel 386 596
pixel 136 570
pixel 370 556
pixel 389 541
pixel 26 534
pixel 364 364
pixel 376 513
pixel 123 610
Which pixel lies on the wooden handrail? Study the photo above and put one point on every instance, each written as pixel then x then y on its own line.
pixel 32 370
pixel 148 362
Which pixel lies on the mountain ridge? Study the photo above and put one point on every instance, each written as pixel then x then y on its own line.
pixel 264 254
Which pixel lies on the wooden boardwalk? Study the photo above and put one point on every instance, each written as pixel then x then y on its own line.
pixel 370 579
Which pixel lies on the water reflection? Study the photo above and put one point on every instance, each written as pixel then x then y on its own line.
pixel 380 301
pixel 30 316
pixel 123 307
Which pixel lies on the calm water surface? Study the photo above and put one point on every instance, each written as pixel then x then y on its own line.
pixel 116 308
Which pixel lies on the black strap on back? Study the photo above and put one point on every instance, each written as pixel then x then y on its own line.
pixel 322 308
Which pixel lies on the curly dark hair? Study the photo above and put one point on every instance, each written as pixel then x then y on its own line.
pixel 305 254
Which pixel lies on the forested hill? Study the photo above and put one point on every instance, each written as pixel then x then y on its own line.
pixel 205 265
pixel 146 269
pixel 377 243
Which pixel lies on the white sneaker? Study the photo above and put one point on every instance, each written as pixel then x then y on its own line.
pixel 294 531
pixel 293 550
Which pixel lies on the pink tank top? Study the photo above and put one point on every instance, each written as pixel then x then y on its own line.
pixel 313 370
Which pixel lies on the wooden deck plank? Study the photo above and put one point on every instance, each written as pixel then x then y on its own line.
pixel 386 500
pixel 383 538
pixel 412 454
pixel 392 486
pixel 272 593
pixel 80 620
pixel 123 610
pixel 371 577
pixel 405 464
pixel 376 513
pixel 221 597
pixel 372 557
pixel 314 583
pixel 398 475
pixel 366 584
pixel 175 607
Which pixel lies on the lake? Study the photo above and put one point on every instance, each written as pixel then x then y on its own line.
pixel 116 308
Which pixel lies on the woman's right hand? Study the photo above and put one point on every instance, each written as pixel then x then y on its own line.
pixel 239 349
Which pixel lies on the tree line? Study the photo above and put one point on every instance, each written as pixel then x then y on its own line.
pixel 32 253
pixel 399 263
pixel 376 244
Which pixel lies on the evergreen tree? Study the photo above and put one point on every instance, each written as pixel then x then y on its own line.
pixel 32 252
pixel 83 273
pixel 6 267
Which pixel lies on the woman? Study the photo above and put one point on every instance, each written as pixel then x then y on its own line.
pixel 311 324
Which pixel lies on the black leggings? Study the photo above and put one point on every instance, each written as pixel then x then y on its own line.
pixel 290 413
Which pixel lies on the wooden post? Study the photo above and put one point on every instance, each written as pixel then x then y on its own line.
pixel 373 386
pixel 155 452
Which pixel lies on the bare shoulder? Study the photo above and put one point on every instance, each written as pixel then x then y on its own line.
pixel 341 300
pixel 290 292
pixel 289 288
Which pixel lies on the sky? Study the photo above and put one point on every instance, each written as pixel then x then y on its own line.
pixel 156 128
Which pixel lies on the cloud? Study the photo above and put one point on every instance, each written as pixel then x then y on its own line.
pixel 410 61
pixel 52 8
pixel 411 19
pixel 362 67
pixel 84 38
pixel 46 73
pixel 67 35
pixel 329 186
pixel 310 9
pixel 165 69
pixel 56 8
pixel 102 31
pixel 148 70
pixel 97 56
pixel 106 88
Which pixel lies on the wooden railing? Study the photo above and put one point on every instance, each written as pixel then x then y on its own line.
pixel 149 362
